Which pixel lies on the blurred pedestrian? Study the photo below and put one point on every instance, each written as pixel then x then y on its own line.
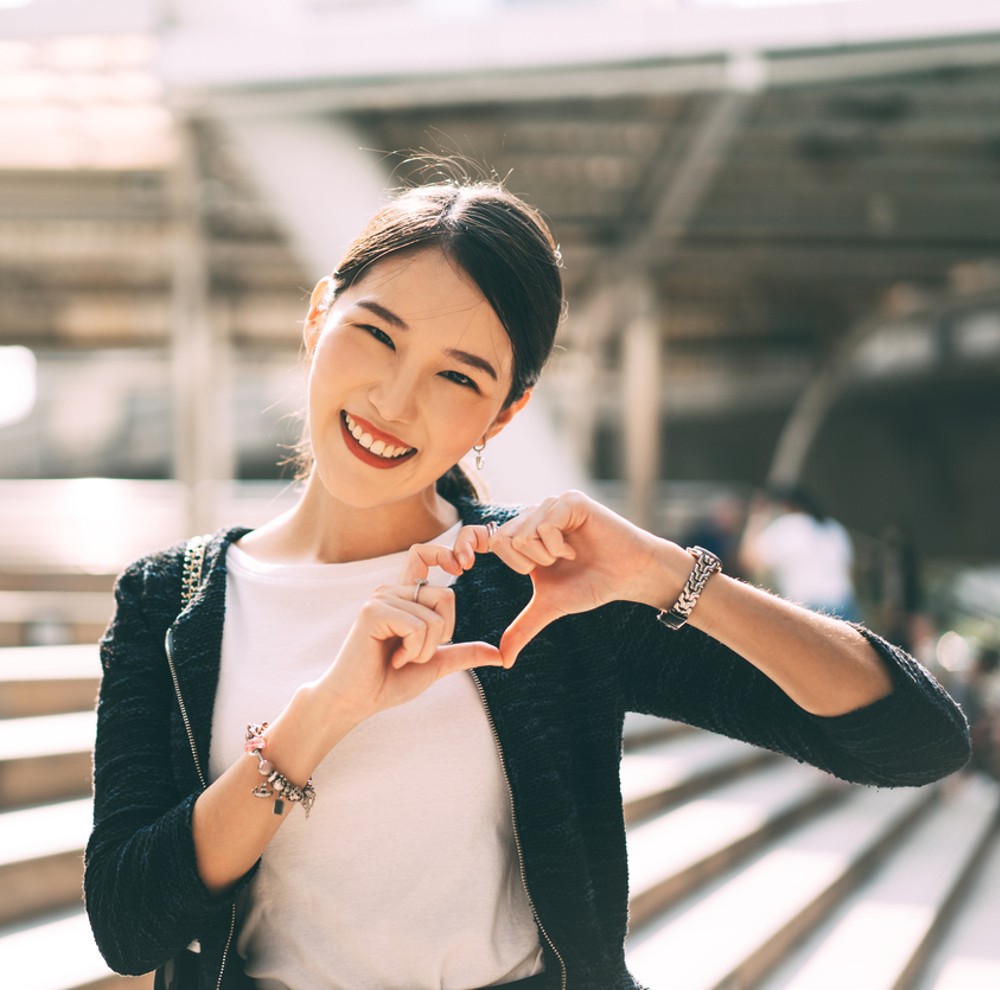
pixel 803 554
pixel 720 530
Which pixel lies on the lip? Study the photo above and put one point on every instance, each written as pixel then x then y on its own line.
pixel 365 456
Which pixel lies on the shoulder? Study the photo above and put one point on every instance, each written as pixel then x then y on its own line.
pixel 475 513
pixel 155 576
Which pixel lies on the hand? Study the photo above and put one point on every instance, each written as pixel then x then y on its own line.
pixel 580 555
pixel 400 642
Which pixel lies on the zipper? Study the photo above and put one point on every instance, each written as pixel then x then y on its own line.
pixel 517 837
pixel 169 647
pixel 168 644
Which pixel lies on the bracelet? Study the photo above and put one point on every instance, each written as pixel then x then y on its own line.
pixel 276 785
pixel 705 565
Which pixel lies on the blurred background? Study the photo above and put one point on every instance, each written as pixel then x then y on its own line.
pixel 780 222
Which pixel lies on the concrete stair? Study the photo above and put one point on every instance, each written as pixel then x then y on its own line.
pixel 47 727
pixel 747 870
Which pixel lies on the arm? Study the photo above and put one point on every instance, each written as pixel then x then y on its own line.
pixel 143 894
pixel 771 662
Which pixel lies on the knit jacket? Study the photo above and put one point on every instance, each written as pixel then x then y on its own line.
pixel 558 717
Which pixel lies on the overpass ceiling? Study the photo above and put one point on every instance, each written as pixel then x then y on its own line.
pixel 825 203
pixel 823 200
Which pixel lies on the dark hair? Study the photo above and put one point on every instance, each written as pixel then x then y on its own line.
pixel 800 500
pixel 501 243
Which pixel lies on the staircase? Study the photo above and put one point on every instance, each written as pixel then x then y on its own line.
pixel 747 869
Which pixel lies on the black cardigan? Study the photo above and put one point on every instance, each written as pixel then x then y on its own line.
pixel 558 717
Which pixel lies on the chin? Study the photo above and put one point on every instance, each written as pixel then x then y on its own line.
pixel 363 494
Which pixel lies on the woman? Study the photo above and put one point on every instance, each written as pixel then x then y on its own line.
pixel 465 828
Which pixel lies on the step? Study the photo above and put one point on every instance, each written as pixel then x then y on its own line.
pixel 41 858
pixel 72 616
pixel 739 927
pixel 968 954
pixel 670 771
pixel 672 854
pixel 48 680
pixel 642 730
pixel 58 953
pixel 45 757
pixel 877 939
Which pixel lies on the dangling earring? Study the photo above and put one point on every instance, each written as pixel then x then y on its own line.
pixel 479 448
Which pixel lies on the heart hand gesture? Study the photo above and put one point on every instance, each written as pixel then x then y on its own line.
pixel 579 554
pixel 400 642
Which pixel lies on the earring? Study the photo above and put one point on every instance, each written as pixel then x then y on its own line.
pixel 479 448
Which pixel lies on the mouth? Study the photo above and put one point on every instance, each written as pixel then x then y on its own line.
pixel 372 445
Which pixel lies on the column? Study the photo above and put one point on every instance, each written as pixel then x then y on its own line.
pixel 641 379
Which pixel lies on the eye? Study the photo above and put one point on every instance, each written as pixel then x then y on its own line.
pixel 459 379
pixel 380 335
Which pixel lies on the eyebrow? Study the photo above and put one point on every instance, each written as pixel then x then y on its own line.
pixel 471 360
pixel 387 314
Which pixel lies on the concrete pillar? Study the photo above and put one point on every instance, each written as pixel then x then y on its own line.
pixel 313 172
pixel 641 378
pixel 202 440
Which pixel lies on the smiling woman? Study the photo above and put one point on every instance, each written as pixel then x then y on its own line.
pixel 454 747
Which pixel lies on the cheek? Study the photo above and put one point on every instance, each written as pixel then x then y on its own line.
pixel 338 362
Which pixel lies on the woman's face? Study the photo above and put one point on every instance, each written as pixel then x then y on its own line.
pixel 409 369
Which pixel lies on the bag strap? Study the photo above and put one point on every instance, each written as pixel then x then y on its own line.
pixel 194 560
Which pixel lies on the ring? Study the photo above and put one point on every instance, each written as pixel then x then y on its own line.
pixel 491 532
pixel 416 591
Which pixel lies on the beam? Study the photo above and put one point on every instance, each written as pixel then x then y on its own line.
pixel 819 397
pixel 600 79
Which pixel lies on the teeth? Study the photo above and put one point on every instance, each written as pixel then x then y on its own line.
pixel 378 447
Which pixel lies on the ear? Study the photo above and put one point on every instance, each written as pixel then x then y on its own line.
pixel 507 414
pixel 319 306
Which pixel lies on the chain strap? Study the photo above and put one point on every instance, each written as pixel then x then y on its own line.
pixel 194 560
pixel 705 565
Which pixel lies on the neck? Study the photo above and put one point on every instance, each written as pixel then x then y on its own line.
pixel 321 529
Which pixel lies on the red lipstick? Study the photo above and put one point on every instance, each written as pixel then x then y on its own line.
pixel 365 455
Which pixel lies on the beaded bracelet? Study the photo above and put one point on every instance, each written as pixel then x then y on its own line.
pixel 276 785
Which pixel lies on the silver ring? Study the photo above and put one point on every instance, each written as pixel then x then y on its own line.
pixel 416 591
pixel 491 532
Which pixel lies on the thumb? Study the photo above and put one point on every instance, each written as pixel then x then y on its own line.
pixel 465 656
pixel 534 617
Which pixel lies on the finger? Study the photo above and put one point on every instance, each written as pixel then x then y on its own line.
pixel 533 618
pixel 470 541
pixel 388 620
pixel 412 642
pixel 419 647
pixel 421 557
pixel 512 557
pixel 552 536
pixel 436 611
pixel 530 545
pixel 465 656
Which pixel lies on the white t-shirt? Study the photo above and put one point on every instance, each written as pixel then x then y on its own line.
pixel 810 561
pixel 405 875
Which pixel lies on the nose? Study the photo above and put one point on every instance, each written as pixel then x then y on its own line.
pixel 395 396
